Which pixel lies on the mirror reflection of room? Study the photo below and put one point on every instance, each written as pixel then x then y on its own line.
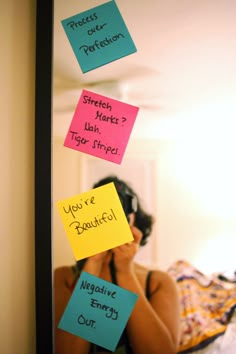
pixel 179 165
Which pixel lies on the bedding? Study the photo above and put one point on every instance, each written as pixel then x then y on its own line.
pixel 207 308
pixel 224 344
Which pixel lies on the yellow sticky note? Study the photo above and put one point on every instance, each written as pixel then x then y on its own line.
pixel 94 221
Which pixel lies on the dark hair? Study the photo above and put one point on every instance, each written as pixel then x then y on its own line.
pixel 143 221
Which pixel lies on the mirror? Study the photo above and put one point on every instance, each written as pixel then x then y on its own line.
pixel 182 145
pixel 182 78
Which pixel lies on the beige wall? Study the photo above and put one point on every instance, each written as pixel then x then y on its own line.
pixel 17 313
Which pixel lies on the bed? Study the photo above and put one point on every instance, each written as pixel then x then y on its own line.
pixel 208 315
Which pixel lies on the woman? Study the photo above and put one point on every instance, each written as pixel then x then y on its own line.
pixel 154 324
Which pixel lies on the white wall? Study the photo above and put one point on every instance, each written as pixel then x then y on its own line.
pixel 193 198
pixel 196 197
pixel 17 313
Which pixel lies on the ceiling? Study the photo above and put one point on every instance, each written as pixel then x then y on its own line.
pixel 183 71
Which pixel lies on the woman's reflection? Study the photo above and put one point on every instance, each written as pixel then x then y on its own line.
pixel 154 324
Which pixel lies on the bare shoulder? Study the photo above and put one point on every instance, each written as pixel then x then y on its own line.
pixel 159 279
pixel 63 275
pixel 157 274
pixel 163 279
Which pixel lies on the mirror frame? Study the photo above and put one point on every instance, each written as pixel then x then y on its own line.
pixel 43 138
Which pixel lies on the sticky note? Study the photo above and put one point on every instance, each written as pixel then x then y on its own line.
pixel 98 311
pixel 101 126
pixel 98 36
pixel 94 221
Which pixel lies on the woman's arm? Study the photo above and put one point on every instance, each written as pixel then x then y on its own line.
pixel 154 326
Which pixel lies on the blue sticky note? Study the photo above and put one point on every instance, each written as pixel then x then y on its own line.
pixel 98 311
pixel 98 36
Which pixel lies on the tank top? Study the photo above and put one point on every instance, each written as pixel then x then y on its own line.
pixel 123 346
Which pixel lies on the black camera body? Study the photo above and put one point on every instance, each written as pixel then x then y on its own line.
pixel 128 201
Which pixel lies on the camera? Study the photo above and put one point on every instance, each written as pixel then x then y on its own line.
pixel 128 199
pixel 129 202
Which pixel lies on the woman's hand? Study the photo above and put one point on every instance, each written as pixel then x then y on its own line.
pixel 124 254
pixel 94 264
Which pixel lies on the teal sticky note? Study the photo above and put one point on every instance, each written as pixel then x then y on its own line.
pixel 98 36
pixel 98 311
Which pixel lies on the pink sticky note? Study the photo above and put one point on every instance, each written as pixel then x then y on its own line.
pixel 101 126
